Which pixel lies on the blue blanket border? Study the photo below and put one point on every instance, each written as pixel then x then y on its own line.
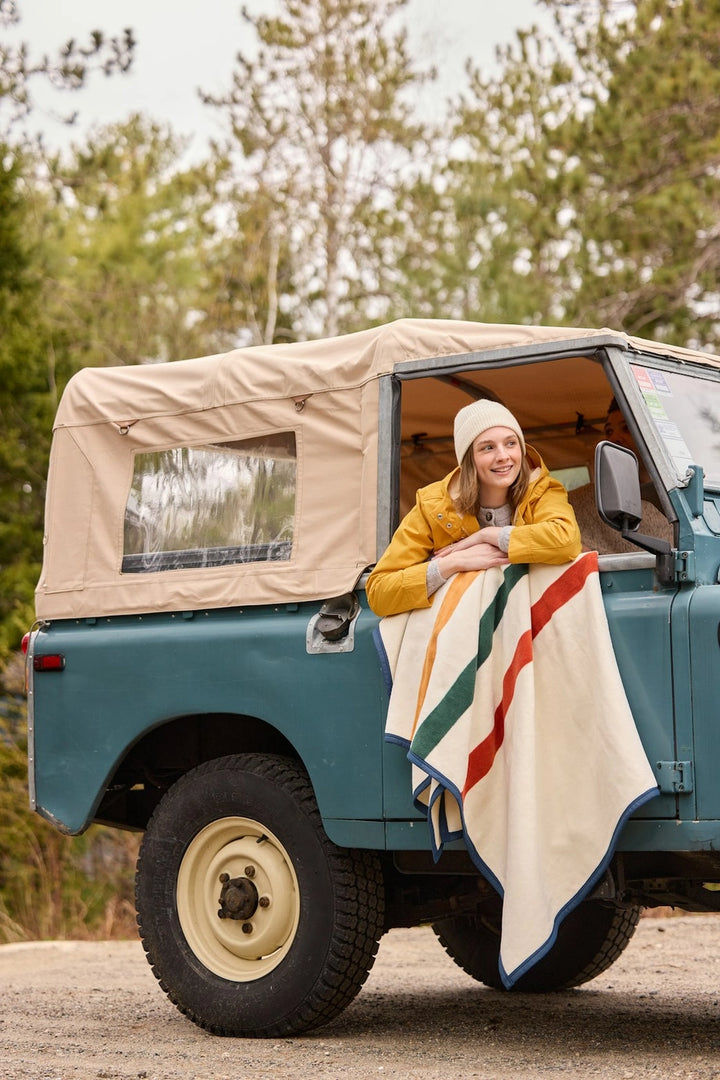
pixel 446 834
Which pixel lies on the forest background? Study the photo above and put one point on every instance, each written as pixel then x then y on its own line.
pixel 576 184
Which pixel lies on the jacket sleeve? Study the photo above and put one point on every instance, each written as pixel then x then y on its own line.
pixel 549 532
pixel 398 582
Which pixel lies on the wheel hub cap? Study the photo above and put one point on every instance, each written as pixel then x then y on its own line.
pixel 238 898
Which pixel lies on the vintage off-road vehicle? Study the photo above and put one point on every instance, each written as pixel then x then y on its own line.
pixel 203 669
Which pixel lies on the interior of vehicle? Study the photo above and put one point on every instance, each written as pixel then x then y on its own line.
pixel 561 406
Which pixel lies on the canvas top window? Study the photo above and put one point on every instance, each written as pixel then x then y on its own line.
pixel 212 505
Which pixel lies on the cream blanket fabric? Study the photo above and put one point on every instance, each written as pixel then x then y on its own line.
pixel 508 699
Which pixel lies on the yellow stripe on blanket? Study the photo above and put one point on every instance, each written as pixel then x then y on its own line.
pixel 508 699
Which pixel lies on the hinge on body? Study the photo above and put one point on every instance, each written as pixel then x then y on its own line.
pixel 684 565
pixel 675 777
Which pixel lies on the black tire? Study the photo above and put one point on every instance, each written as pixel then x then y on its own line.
pixel 301 918
pixel 589 940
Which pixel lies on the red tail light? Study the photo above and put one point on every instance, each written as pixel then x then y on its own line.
pixel 24 644
pixel 50 662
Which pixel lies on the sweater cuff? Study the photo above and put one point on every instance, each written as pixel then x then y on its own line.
pixel 433 577
pixel 504 538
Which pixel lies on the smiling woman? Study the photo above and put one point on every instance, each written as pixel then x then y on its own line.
pixel 499 506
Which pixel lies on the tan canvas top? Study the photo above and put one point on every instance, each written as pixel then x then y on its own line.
pixel 276 372
pixel 325 392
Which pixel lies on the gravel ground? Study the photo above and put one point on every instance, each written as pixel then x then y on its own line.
pixel 83 1011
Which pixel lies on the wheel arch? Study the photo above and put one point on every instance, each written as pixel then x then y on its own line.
pixel 171 748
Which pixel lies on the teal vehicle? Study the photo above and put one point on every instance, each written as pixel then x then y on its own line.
pixel 203 666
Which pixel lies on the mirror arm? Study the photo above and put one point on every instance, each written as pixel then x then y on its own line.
pixel 660 548
pixel 648 543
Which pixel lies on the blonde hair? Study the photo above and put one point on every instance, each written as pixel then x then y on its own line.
pixel 468 500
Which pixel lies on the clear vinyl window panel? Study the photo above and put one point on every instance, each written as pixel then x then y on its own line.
pixel 212 505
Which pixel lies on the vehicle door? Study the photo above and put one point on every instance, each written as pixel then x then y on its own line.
pixel 560 397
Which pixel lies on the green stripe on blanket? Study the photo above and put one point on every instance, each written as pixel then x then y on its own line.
pixel 459 696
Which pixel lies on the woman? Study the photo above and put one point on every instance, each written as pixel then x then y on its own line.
pixel 501 505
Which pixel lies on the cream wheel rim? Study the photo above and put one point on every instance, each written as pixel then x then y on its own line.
pixel 238 899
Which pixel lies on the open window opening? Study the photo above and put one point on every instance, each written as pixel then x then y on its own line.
pixel 561 405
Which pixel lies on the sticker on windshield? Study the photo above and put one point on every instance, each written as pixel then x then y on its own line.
pixel 652 385
pixel 660 382
pixel 649 380
pixel 655 405
pixel 670 434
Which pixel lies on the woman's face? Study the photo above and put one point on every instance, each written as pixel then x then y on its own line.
pixel 497 455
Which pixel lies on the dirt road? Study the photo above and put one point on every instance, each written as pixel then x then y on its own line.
pixel 83 1011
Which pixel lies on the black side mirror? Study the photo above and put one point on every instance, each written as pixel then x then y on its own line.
pixel 619 502
pixel 617 486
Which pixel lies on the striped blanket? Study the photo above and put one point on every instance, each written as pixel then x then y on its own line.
pixel 507 697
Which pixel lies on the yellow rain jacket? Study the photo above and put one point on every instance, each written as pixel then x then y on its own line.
pixel 547 532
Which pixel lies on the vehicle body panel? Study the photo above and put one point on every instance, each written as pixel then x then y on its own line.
pixel 240 662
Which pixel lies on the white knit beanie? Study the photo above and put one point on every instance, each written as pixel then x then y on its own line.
pixel 473 419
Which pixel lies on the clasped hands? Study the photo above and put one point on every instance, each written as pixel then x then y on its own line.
pixel 479 551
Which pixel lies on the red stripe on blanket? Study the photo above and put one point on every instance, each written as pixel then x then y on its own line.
pixel 561 590
pixel 481 757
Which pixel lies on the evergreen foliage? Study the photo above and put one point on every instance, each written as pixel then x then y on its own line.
pixel 583 183
pixel 322 130
pixel 125 231
pixel 25 410
pixel 650 215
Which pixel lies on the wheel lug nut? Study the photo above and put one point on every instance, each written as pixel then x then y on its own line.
pixel 249 871
pixel 247 928
pixel 264 901
pixel 224 878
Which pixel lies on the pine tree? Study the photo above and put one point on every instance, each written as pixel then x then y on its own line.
pixel 322 117
pixel 127 238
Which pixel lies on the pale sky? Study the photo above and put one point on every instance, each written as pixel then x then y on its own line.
pixel 183 45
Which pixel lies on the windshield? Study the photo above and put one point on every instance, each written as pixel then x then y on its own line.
pixel 686 412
